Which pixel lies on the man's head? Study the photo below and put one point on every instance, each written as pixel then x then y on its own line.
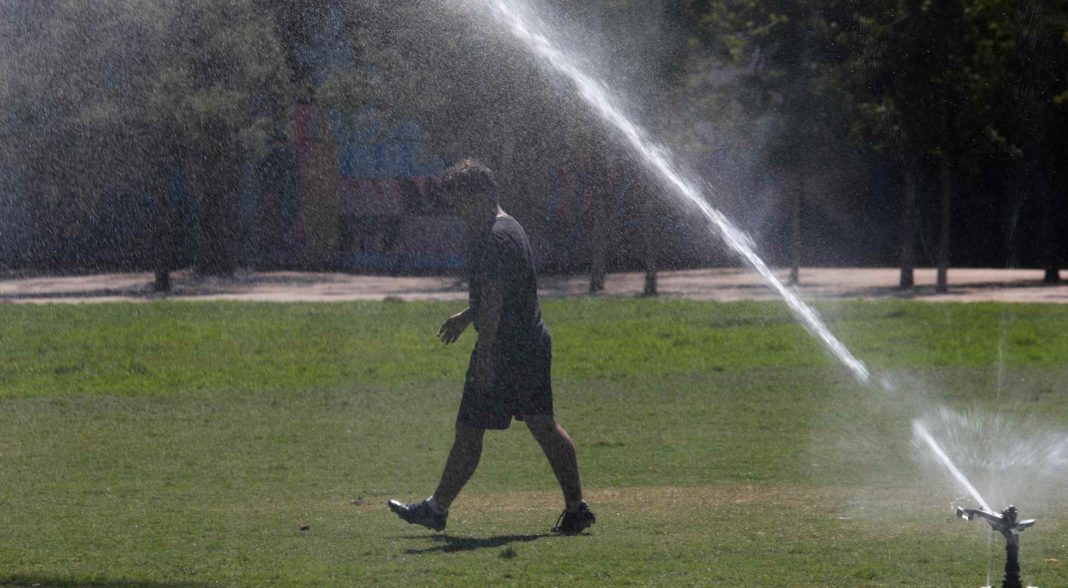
pixel 472 192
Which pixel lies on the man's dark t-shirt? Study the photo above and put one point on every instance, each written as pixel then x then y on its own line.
pixel 522 384
pixel 503 253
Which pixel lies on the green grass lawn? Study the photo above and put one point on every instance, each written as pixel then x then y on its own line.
pixel 185 444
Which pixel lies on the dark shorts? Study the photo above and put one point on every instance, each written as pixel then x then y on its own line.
pixel 522 387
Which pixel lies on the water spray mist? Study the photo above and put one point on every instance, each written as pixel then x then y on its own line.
pixel 659 160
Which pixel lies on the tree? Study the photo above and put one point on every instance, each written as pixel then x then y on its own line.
pixel 1032 111
pixel 933 86
pixel 113 93
pixel 476 92
pixel 783 54
pixel 923 79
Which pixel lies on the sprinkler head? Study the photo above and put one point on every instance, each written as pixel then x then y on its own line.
pixel 1009 527
pixel 1005 523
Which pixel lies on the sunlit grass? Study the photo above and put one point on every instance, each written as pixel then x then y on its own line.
pixel 158 348
pixel 185 444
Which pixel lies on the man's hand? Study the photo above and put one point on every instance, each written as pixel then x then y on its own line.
pixel 453 326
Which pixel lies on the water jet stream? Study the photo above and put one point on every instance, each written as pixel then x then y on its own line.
pixel 922 432
pixel 659 160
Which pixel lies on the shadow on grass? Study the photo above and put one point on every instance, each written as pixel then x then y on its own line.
pixel 454 544
pixel 89 582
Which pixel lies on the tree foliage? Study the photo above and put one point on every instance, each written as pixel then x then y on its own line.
pixel 120 93
pixel 960 84
pixel 117 94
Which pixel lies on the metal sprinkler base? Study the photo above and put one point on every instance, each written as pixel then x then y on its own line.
pixel 1006 524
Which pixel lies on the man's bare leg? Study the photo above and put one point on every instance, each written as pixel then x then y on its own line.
pixel 560 450
pixel 463 459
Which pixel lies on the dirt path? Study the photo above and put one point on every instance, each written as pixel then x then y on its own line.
pixel 966 285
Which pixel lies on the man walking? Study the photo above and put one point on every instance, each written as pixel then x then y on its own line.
pixel 509 372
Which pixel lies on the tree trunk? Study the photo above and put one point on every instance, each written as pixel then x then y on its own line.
pixel 163 233
pixel 163 246
pixel 1050 239
pixel 650 235
pixel 796 197
pixel 322 212
pixel 650 272
pixel 218 183
pixel 598 242
pixel 162 282
pixel 908 223
pixel 942 285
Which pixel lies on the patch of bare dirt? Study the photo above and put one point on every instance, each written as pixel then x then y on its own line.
pixel 723 284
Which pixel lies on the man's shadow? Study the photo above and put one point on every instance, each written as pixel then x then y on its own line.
pixel 450 544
